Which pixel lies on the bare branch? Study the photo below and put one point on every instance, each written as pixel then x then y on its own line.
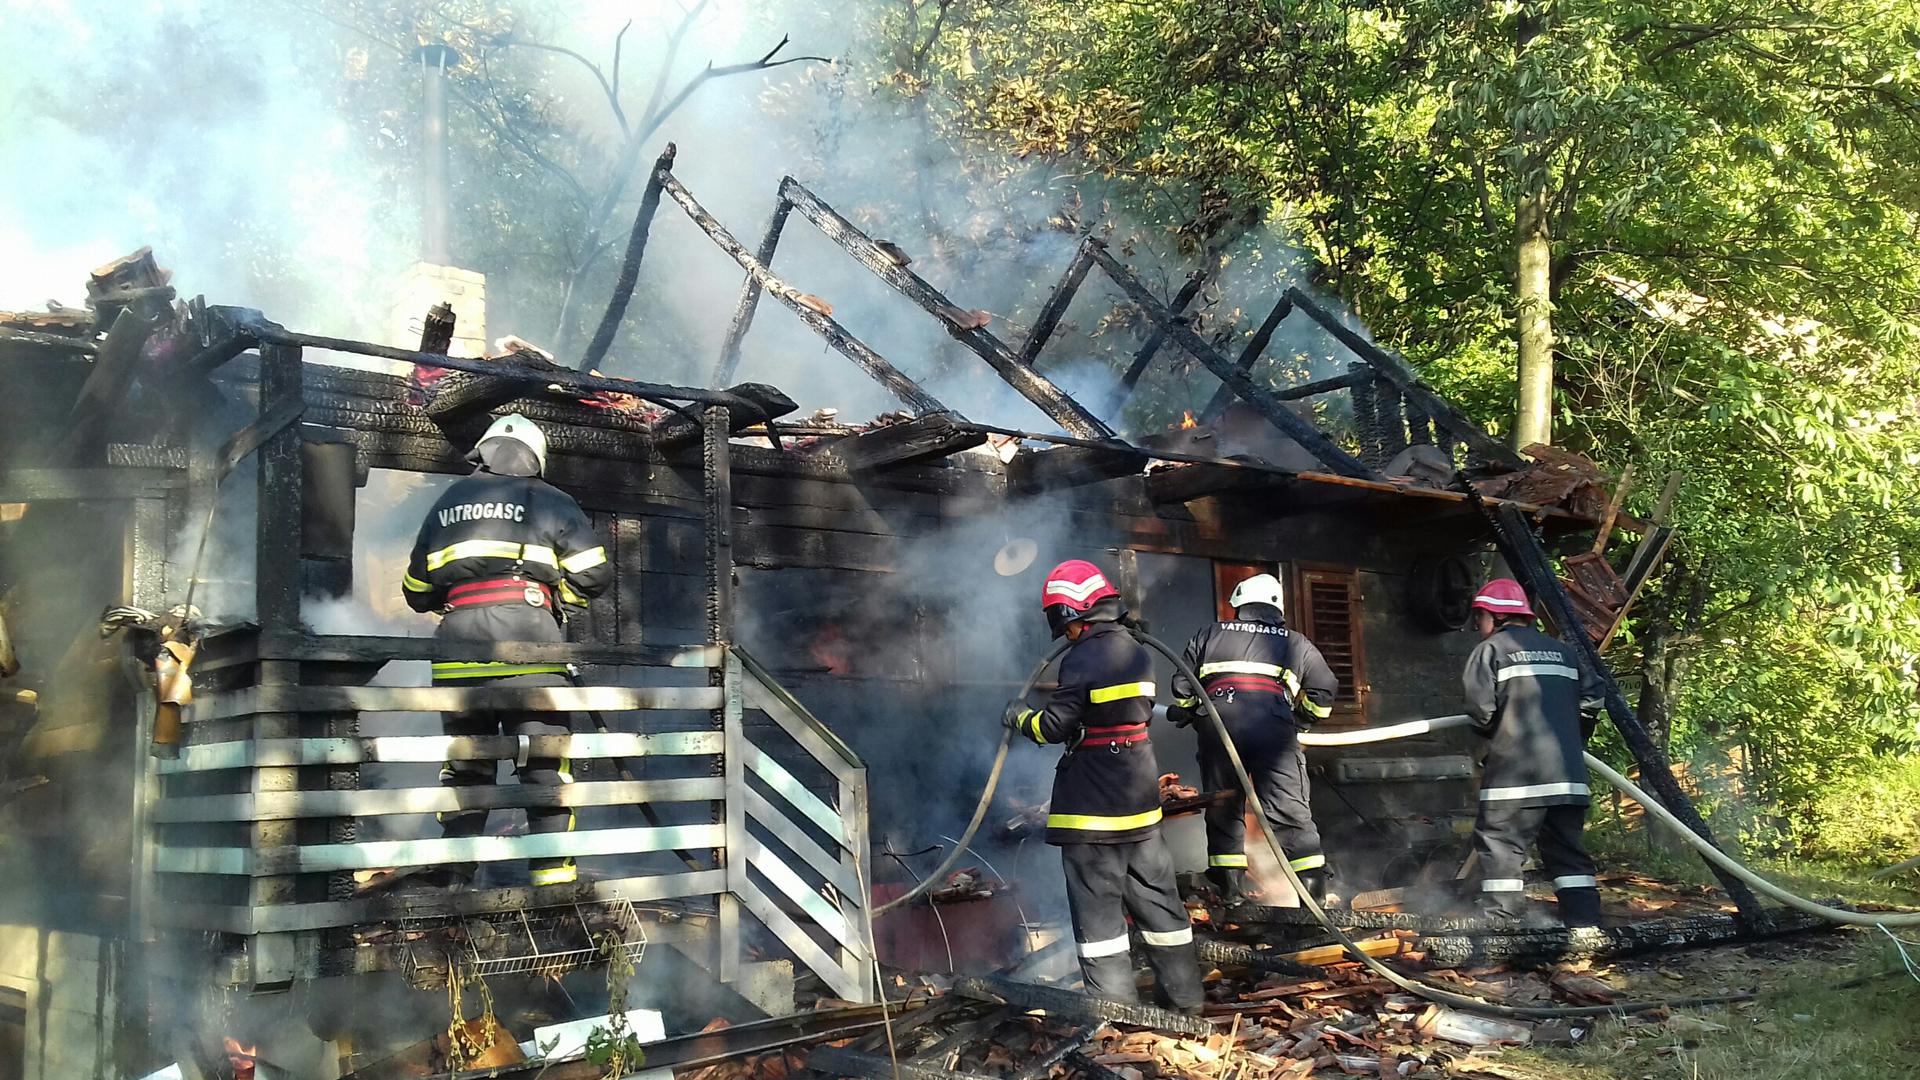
pixel 674 41
pixel 496 120
pixel 613 97
pixel 618 43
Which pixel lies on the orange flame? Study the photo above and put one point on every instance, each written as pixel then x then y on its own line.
pixel 240 1057
pixel 1187 420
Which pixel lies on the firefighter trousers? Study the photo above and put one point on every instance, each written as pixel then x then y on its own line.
pixel 1106 883
pixel 1278 768
pixel 1501 836
pixel 536 772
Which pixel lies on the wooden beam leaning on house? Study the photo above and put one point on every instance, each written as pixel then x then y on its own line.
pixel 1410 387
pixel 1035 387
pixel 1261 398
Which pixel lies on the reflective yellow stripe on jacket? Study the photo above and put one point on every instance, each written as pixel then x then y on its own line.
pixel 494 549
pixel 1096 823
pixel 1318 711
pixel 1100 695
pixel 414 584
pixel 584 560
pixel 1251 667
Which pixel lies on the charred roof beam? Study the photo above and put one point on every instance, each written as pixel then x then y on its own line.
pixel 1059 406
pixel 1263 400
pixel 908 391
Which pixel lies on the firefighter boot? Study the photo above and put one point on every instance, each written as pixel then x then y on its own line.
pixel 1316 883
pixel 1231 882
pixel 1580 907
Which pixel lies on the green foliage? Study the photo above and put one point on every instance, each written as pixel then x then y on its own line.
pixel 616 1049
pixel 1872 817
pixel 1734 192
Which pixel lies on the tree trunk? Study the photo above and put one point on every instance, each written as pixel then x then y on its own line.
pixel 1655 706
pixel 1533 277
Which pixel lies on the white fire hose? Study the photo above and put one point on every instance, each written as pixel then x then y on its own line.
pixel 1660 813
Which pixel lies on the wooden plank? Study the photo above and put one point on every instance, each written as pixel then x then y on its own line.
pixel 295 918
pixel 924 438
pixel 677 430
pixel 773 548
pixel 1158 337
pixel 800 943
pixel 246 646
pixel 801 726
pixel 287 752
pixel 1032 472
pixel 432 800
pixel 1055 308
pixel 1333 954
pixel 317 858
pixel 794 888
pixel 269 699
pixel 1249 356
pixel 52 485
pixel 770 818
pixel 749 301
pixel 1060 407
pixel 114 371
pixel 789 787
pixel 1185 483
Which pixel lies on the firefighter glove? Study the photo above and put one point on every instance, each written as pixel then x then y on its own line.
pixel 1182 715
pixel 1012 717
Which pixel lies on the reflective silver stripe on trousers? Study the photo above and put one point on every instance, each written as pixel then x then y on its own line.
pixel 1576 881
pixel 1503 884
pixel 1557 670
pixel 1166 939
pixel 1094 950
pixel 1531 791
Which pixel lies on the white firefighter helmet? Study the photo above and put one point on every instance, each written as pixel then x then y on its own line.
pixel 521 430
pixel 1258 589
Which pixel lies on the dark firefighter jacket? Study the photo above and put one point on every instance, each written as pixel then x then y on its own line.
pixel 1532 697
pixel 1256 671
pixel 1106 789
pixel 491 527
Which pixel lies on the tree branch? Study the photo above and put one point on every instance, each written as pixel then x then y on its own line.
pixel 613 98
pixel 674 41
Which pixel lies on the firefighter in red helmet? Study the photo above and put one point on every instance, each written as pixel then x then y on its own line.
pixel 1105 815
pixel 1537 704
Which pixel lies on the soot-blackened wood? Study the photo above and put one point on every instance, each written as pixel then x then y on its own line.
pixel 750 296
pixel 1034 471
pixel 1035 387
pixel 1261 398
pixel 675 431
pixel 717 477
pixel 277 522
pixel 1144 358
pixel 1658 935
pixel 1185 483
pixel 837 1061
pixel 1069 1005
pixel 1530 563
pixel 107 385
pixel 1055 308
pixel 630 267
pixel 1226 953
pixel 1365 409
pixel 835 335
pixel 61 342
pixel 1391 369
pixel 1390 412
pixel 1348 381
pixel 1250 355
pixel 926 438
pixel 461 398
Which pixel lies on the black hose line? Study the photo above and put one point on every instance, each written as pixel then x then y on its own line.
pixel 1412 986
pixel 939 873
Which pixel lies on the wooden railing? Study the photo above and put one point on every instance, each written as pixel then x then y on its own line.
pixel 249 820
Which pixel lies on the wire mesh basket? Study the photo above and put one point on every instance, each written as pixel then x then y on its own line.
pixel 545 941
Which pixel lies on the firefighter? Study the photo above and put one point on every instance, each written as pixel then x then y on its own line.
pixel 1105 815
pixel 1269 684
pixel 1537 704
pixel 497 556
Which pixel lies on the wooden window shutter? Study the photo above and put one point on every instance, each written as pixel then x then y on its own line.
pixel 1327 610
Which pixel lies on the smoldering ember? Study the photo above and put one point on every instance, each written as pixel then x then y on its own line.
pixel 1151 554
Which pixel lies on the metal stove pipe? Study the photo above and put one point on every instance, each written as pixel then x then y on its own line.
pixel 436 242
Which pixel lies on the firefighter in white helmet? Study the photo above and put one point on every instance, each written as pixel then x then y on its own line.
pixel 1269 684
pixel 498 556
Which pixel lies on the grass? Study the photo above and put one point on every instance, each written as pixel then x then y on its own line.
pixel 1804 1026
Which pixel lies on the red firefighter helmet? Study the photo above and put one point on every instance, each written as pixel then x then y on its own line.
pixel 1072 591
pixel 1502 597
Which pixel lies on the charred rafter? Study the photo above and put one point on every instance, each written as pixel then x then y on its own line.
pixel 1144 358
pixel 1262 399
pixel 836 335
pixel 1248 357
pixel 1035 387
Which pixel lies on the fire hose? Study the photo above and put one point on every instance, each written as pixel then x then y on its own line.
pixel 940 872
pixel 1660 813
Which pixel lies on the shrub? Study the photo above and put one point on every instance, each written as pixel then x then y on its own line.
pixel 1869 817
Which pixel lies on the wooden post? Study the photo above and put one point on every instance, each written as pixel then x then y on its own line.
pixel 750 297
pixel 1530 564
pixel 277 610
pixel 629 269
pixel 717 476
pixel 1056 306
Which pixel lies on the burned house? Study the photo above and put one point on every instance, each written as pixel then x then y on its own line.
pixel 792 686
